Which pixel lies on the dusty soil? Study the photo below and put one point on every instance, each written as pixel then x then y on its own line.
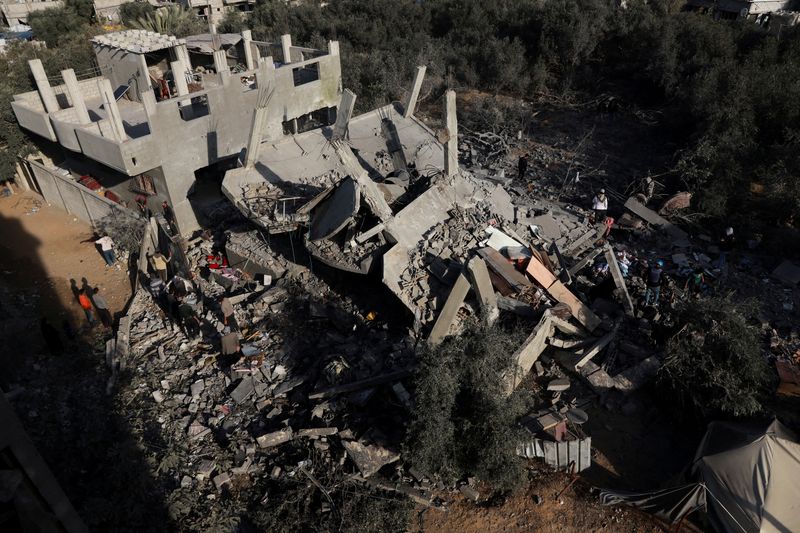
pixel 576 510
pixel 40 253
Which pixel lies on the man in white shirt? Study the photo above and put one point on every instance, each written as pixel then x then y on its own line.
pixel 600 206
pixel 107 249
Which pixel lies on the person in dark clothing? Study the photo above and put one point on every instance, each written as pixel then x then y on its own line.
pixel 102 308
pixel 51 337
pixel 169 214
pixel 189 320
pixel 653 290
pixel 695 282
pixel 522 166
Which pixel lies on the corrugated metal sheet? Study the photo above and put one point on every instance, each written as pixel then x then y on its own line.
pixel 559 454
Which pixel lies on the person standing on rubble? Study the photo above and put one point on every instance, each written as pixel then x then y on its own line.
pixel 169 215
pixel 86 304
pixel 228 315
pixel 189 320
pixel 522 166
pixel 653 289
pixel 600 206
pixel 726 244
pixel 159 262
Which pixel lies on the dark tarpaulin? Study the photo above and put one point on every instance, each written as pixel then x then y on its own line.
pixel 669 504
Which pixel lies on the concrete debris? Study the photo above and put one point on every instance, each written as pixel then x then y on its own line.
pixel 787 272
pixel 276 438
pixel 369 458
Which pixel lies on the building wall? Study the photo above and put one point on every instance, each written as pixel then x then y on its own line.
pixel 17 12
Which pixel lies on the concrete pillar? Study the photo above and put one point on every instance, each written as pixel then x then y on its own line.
pixel 344 113
pixel 78 104
pixel 110 105
pixel 411 101
pixel 254 50
pixel 247 38
pixel 448 314
pixel 254 142
pixel 333 48
pixel 265 73
pixel 45 91
pixel 221 61
pixel 149 103
pixel 179 74
pixel 482 284
pixel 451 146
pixel 182 53
pixel 144 77
pixel 286 46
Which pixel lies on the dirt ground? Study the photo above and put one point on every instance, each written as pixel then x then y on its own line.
pixel 40 253
pixel 574 511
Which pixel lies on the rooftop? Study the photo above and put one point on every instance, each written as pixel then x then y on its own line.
pixel 138 41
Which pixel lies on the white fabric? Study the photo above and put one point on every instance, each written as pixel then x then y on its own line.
pixel 105 243
pixel 597 203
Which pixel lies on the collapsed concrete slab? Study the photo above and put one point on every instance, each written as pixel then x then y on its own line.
pixel 679 237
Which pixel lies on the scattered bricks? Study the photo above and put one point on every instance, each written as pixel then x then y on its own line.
pixel 317 432
pixel 222 481
pixel 276 438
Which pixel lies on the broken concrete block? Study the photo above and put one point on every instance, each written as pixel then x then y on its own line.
pixel 317 432
pixel 580 311
pixel 222 481
pixel 595 349
pixel 469 493
pixel 158 396
pixel 787 272
pixel 204 469
pixel 276 438
pixel 450 310
pixel 558 385
pixel 369 458
pixel 197 388
pixel 548 226
pixel 243 390
pixel 482 284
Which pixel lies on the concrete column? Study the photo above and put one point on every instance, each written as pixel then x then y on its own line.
pixel 265 73
pixel 220 61
pixel 333 48
pixel 183 54
pixel 144 77
pixel 286 46
pixel 110 105
pixel 256 55
pixel 247 38
pixel 344 113
pixel 179 73
pixel 411 101
pixel 149 103
pixel 451 146
pixel 45 91
pixel 78 104
pixel 254 142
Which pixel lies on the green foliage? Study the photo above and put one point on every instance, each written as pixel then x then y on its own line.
pixel 171 20
pixel 463 423
pixel 133 11
pixel 714 363
pixel 233 22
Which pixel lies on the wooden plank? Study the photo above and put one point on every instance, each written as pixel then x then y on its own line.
pixel 580 311
pixel 539 272
pixel 595 349
pixel 504 269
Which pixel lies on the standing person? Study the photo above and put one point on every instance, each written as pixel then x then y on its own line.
pixel 726 244
pixel 653 290
pixel 189 320
pixel 695 282
pixel 169 214
pixel 86 304
pixel 228 315
pixel 522 166
pixel 600 206
pixel 102 308
pixel 107 249
pixel 159 262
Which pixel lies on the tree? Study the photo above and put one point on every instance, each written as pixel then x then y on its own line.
pixel 232 22
pixel 171 20
pixel 463 422
pixel 714 363
pixel 133 11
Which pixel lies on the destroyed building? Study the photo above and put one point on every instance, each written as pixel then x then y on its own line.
pixel 162 113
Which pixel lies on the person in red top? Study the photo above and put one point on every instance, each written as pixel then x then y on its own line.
pixel 86 304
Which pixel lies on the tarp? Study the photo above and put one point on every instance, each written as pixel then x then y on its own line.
pixel 747 476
